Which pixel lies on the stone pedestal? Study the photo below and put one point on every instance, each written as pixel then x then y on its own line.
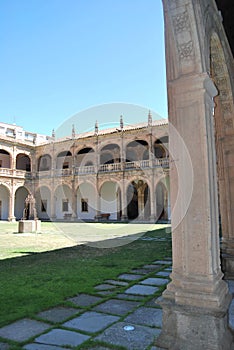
pixel 29 226
pixel 189 328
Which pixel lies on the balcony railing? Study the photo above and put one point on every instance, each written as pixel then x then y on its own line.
pixel 89 169
pixel 15 173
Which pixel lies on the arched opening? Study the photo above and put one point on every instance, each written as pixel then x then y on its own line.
pixel 137 150
pixel 224 123
pixel 161 202
pixel 20 196
pixel 159 149
pixel 4 202
pixel 23 162
pixel 63 201
pixel 5 159
pixel 110 154
pixel 44 163
pixel 84 156
pixel 86 201
pixel 64 160
pixel 110 201
pixel 43 203
pixel 138 200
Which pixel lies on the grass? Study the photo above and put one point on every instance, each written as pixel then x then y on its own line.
pixel 38 281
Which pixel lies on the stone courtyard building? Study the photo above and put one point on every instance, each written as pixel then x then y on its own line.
pixel 114 174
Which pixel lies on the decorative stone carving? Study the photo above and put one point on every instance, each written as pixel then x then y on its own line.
pixel 181 22
pixel 186 50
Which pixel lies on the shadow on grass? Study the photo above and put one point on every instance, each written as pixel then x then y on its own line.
pixel 38 281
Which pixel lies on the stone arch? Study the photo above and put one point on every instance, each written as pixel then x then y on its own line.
pixel 23 162
pixel 20 196
pixel 224 130
pixel 86 201
pixel 138 200
pixel 64 160
pixel 110 199
pixel 5 159
pixel 44 162
pixel 85 156
pixel 110 154
pixel 43 202
pixel 4 202
pixel 137 150
pixel 62 201
pixel 195 238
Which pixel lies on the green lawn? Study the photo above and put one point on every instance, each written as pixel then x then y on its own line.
pixel 38 281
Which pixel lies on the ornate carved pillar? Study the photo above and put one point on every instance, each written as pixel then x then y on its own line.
pixel 195 303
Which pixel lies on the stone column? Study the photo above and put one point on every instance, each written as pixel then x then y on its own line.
pixel 196 301
pixel 124 201
pixel 11 209
pixel 152 199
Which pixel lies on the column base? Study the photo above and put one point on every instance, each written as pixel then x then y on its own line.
pixel 12 219
pixel 192 328
pixel 124 218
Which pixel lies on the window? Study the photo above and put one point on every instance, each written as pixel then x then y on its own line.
pixel 65 204
pixel 84 205
pixel 43 205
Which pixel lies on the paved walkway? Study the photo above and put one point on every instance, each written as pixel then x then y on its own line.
pixel 122 314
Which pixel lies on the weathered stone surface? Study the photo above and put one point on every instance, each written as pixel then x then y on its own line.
pixel 141 290
pixel 146 316
pixel 117 283
pixel 23 330
pixel 129 277
pixel 129 296
pixel 62 337
pixel 155 281
pixel 117 307
pixel 85 300
pixel 105 286
pixel 35 346
pixel 58 314
pixel 163 273
pixel 140 271
pixel 138 339
pixel 91 322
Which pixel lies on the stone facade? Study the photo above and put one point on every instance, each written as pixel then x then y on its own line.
pixel 114 174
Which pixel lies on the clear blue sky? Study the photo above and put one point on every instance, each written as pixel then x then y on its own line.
pixel 59 57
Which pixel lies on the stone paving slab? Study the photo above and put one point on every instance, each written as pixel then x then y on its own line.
pixel 22 330
pixel 35 346
pixel 138 339
pixel 156 348
pixel 153 303
pixel 163 273
pixel 106 292
pixel 105 286
pixel 117 283
pixel 152 267
pixel 4 346
pixel 155 281
pixel 62 337
pixel 58 314
pixel 129 296
pixel 162 262
pixel 85 300
pixel 91 322
pixel 129 277
pixel 117 307
pixel 140 271
pixel 146 316
pixel 141 290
